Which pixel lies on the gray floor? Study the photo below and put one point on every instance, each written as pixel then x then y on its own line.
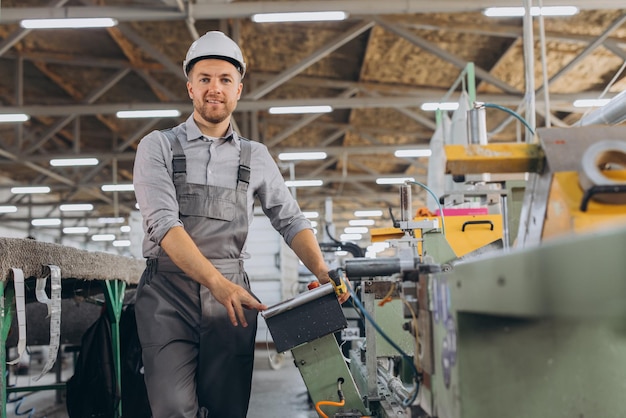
pixel 277 391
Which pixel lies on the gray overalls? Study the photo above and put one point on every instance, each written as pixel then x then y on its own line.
pixel 197 364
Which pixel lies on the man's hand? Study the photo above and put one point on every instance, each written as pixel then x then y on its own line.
pixel 345 295
pixel 235 298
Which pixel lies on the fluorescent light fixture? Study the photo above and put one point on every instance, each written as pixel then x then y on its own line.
pixel 311 215
pixel 350 237
pixel 590 102
pixel 121 243
pixel 30 189
pixel 117 220
pixel 314 224
pixel 73 162
pixel 289 156
pixel 46 222
pixel 14 117
pixel 432 106
pixel 117 188
pixel 165 113
pixel 303 183
pixel 299 17
pixel 341 253
pixel 367 213
pixel 8 209
pixel 424 152
pixel 393 180
pixel 361 222
pixel 103 237
pixel 284 110
pixel 76 207
pixel 100 22
pixel 125 228
pixel 534 11
pixel 76 230
pixel 356 230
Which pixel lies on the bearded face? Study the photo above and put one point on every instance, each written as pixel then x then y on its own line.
pixel 215 87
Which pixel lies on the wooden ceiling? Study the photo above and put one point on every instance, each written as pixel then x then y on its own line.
pixel 376 69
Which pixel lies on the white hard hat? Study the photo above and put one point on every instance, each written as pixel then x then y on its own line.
pixel 214 44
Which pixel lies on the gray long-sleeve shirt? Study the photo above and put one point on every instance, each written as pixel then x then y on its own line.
pixel 210 161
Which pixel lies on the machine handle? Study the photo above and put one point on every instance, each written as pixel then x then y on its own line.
pixel 597 189
pixel 338 282
pixel 486 221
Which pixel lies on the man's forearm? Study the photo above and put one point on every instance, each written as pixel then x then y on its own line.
pixel 185 254
pixel 306 247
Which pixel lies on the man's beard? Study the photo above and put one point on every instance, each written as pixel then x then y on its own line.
pixel 213 116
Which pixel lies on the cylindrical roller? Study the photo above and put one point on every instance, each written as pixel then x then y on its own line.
pixel 595 159
pixel 370 267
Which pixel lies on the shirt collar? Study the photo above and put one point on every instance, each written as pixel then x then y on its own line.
pixel 194 133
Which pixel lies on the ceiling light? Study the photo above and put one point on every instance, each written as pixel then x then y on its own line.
pixel 165 113
pixel 424 152
pixel 125 228
pixel 283 110
pixel 534 11
pixel 117 188
pixel 8 209
pixel 117 220
pixel 361 222
pixel 590 102
pixel 350 237
pixel 303 183
pixel 46 222
pixel 367 213
pixel 432 106
pixel 72 162
pixel 103 237
pixel 289 156
pixel 103 22
pixel 14 117
pixel 393 180
pixel 121 243
pixel 75 207
pixel 313 224
pixel 299 17
pixel 76 230
pixel 356 230
pixel 30 189
pixel 311 215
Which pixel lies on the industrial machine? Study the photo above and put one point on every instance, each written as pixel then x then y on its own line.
pixel 530 327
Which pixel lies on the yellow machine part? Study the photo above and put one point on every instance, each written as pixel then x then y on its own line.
pixel 563 214
pixel 494 158
pixel 463 233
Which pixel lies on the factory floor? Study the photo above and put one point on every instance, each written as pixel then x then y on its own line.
pixel 277 390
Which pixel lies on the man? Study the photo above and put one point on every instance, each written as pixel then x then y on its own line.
pixel 195 186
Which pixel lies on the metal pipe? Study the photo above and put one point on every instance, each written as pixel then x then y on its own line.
pixel 477 124
pixel 370 267
pixel 529 69
pixel 298 300
pixel 612 113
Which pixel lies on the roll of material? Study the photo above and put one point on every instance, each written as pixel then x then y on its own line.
pixel 594 162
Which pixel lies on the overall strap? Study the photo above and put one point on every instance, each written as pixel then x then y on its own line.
pixel 243 176
pixel 179 161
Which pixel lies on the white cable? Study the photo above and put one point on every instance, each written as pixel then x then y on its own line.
pixel 54 312
pixel 20 305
